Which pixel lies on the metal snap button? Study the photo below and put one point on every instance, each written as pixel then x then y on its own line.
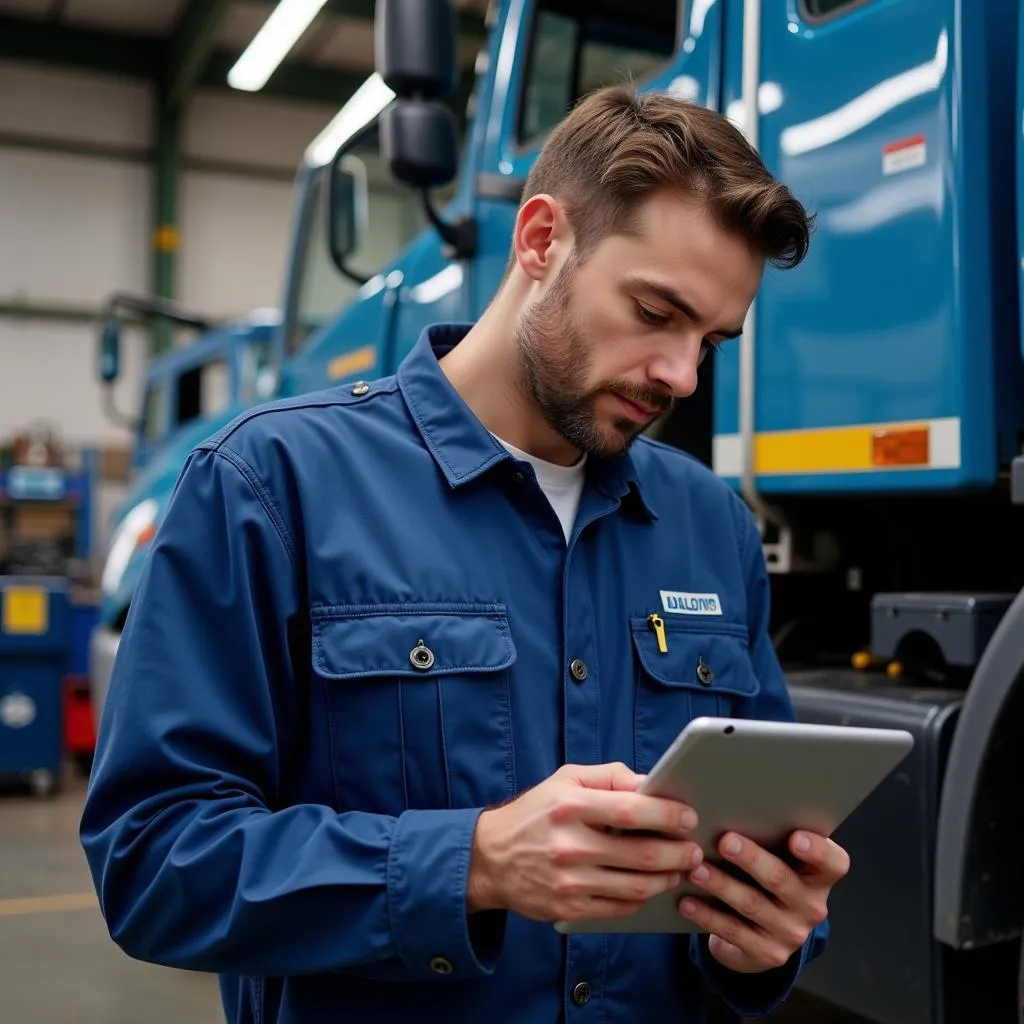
pixel 361 388
pixel 581 994
pixel 704 673
pixel 421 657
pixel 441 965
pixel 578 669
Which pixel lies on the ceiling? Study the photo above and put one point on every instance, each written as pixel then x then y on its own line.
pixel 188 43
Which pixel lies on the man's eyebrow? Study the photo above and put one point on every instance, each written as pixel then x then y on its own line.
pixel 673 298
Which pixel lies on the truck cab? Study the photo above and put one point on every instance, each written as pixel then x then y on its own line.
pixel 187 392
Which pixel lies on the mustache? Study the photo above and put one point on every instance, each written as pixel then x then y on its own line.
pixel 645 396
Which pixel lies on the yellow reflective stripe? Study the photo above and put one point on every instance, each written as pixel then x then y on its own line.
pixel 831 450
pixel 843 449
pixel 352 362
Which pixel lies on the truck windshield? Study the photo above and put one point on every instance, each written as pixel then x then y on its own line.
pixel 576 47
pixel 394 219
pixel 321 290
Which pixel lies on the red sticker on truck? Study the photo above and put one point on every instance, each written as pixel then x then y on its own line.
pixel 904 154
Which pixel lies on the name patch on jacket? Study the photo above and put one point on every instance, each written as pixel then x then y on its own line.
pixel 679 603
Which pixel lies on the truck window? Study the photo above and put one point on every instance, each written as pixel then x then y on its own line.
pixel 321 292
pixel 204 390
pixel 578 46
pixel 816 10
pixel 394 220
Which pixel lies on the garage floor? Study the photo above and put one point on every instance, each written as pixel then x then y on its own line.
pixel 57 963
pixel 59 966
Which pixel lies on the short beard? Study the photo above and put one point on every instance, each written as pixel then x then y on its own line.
pixel 554 363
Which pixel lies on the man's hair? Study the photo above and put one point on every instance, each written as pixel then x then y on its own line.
pixel 618 146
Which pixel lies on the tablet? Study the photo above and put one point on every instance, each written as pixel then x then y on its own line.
pixel 763 780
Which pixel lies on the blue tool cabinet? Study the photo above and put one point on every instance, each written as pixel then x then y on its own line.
pixel 35 629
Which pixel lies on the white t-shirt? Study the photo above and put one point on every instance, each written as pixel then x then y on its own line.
pixel 562 485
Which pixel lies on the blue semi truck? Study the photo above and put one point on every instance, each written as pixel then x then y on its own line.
pixel 872 414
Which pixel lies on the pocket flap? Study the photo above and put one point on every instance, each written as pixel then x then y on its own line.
pixel 411 640
pixel 714 660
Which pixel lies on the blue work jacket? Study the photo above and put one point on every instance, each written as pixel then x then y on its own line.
pixel 359 625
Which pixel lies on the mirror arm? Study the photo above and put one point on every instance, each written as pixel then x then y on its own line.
pixel 118 418
pixel 460 235
pixel 148 307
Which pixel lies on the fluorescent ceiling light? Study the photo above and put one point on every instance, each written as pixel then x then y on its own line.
pixel 366 103
pixel 271 44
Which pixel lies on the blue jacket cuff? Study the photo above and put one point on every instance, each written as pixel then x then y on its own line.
pixel 427 872
pixel 749 995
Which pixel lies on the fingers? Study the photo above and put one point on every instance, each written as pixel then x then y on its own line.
pixel 588 908
pixel 759 949
pixel 779 923
pixel 647 853
pixel 806 897
pixel 732 956
pixel 594 892
pixel 766 869
pixel 635 812
pixel 613 776
pixel 824 857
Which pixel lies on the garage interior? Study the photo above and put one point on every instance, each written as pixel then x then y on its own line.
pixel 129 165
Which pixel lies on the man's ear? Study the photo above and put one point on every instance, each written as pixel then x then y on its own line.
pixel 541 233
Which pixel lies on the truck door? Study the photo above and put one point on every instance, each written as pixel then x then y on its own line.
pixel 860 114
pixel 551 53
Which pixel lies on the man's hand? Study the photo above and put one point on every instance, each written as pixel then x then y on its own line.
pixel 776 923
pixel 550 854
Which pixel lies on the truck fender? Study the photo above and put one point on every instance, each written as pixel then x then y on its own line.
pixel 979 857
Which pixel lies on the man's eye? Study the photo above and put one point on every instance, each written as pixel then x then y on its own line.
pixel 649 317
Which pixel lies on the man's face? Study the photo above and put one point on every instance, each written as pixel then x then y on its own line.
pixel 612 342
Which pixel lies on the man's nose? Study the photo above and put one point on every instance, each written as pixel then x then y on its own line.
pixel 676 370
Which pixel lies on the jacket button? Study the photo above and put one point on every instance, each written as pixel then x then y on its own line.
pixel 421 657
pixel 704 673
pixel 578 669
pixel 441 965
pixel 361 388
pixel 581 994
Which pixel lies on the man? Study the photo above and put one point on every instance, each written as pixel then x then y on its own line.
pixel 400 657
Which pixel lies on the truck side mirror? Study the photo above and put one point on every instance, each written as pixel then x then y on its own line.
pixel 347 197
pixel 110 351
pixel 415 47
pixel 415 55
pixel 419 143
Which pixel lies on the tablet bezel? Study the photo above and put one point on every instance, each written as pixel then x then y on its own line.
pixel 763 779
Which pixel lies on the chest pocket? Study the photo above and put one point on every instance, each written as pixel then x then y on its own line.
pixel 704 669
pixel 418 704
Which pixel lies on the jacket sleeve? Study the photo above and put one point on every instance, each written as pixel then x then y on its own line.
pixel 198 859
pixel 757 995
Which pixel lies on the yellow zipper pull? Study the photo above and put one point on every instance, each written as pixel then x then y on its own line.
pixel 658 625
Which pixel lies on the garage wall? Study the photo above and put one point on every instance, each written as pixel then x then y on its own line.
pixel 75 225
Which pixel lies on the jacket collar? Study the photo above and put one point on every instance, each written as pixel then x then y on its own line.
pixel 461 445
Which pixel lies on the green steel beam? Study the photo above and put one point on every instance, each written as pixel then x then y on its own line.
pixel 191 46
pixel 166 177
pixel 186 56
